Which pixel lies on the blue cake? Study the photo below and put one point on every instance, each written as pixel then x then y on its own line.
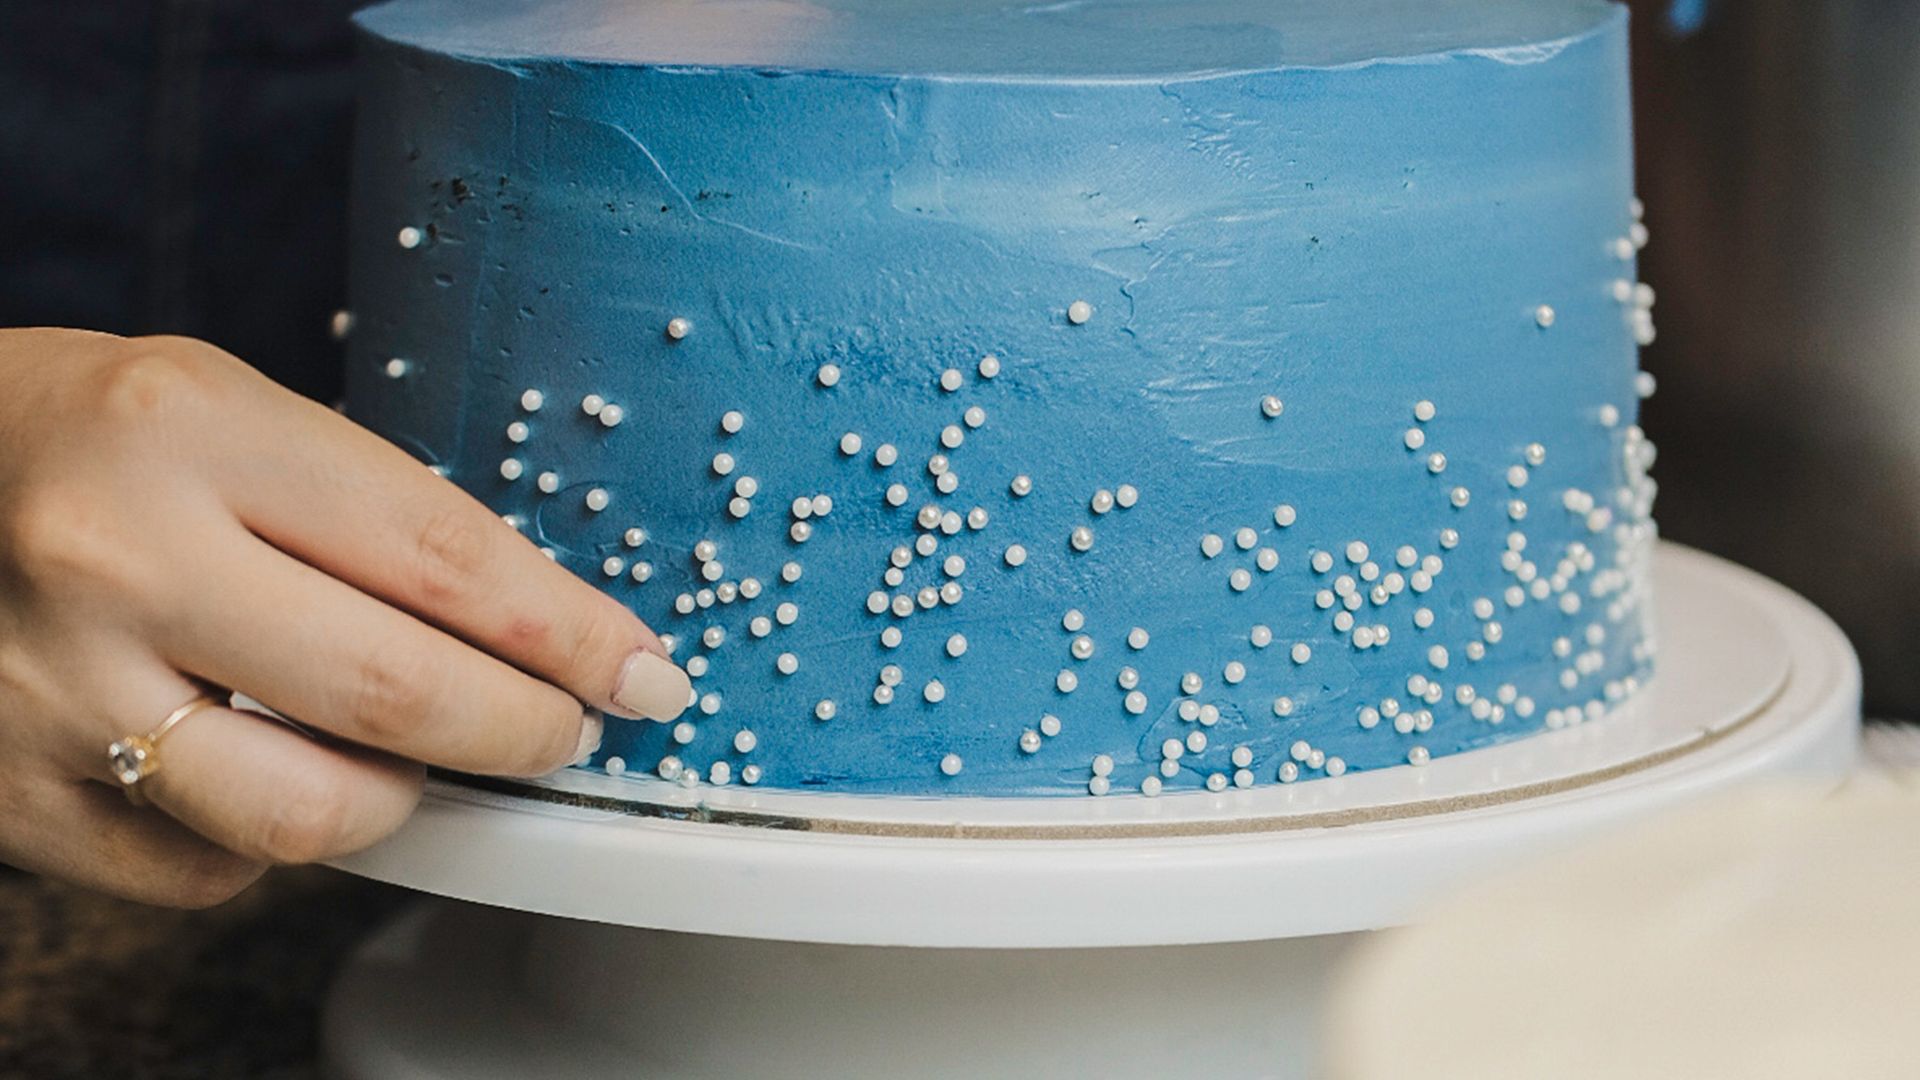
pixel 1096 398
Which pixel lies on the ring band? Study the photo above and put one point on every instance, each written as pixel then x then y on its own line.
pixel 134 758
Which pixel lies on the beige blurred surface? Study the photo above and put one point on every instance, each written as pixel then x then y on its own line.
pixel 1775 933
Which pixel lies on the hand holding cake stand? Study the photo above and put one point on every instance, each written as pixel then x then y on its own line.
pixel 636 929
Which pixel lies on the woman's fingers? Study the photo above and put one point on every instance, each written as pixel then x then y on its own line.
pixel 265 791
pixel 344 500
pixel 89 834
pixel 338 660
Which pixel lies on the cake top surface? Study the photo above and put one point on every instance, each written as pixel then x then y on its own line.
pixel 989 39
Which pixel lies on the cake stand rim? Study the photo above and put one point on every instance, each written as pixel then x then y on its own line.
pixel 1095 892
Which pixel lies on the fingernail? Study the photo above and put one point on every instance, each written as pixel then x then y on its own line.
pixel 592 727
pixel 652 688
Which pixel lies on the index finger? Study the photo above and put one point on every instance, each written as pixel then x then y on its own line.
pixel 345 501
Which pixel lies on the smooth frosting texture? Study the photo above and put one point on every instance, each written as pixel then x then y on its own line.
pixel 1072 39
pixel 1147 261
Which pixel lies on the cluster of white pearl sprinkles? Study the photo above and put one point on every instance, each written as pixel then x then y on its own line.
pixel 1372 592
pixel 1635 297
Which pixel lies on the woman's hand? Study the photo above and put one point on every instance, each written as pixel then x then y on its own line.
pixel 168 515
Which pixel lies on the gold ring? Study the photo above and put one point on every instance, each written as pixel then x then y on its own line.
pixel 133 758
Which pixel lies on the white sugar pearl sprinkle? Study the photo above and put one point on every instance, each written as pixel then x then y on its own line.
pixel 1211 545
pixel 951 765
pixel 548 482
pixel 409 237
pixel 1260 636
pixel 597 499
pixel 1102 501
pixel 1284 515
pixel 1022 486
pixel 1125 496
pixel 950 380
pixel 825 709
pixel 1414 438
pixel 1016 555
pixel 850 443
pixel 1081 538
pixel 885 455
pixel 678 328
pixel 1137 639
pixel 512 469
pixel 732 421
pixel 1301 652
pixel 989 366
pixel 828 375
pixel 974 417
pixel 1239 580
pixel 532 400
pixel 956 646
pixel 1244 538
pixel 723 464
pixel 1271 406
pixel 1073 621
pixel 1079 312
pixel 1423 411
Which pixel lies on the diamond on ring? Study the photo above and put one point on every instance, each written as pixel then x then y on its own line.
pixel 131 759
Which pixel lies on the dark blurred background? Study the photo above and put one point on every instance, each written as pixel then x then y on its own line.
pixel 1779 158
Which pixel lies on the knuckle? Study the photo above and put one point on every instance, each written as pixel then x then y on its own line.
pixel 391 693
pixel 59 538
pixel 449 555
pixel 527 635
pixel 310 821
pixel 159 378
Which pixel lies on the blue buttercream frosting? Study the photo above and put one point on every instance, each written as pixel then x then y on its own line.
pixel 1346 288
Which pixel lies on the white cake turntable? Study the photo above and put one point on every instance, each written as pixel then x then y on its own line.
pixel 636 929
